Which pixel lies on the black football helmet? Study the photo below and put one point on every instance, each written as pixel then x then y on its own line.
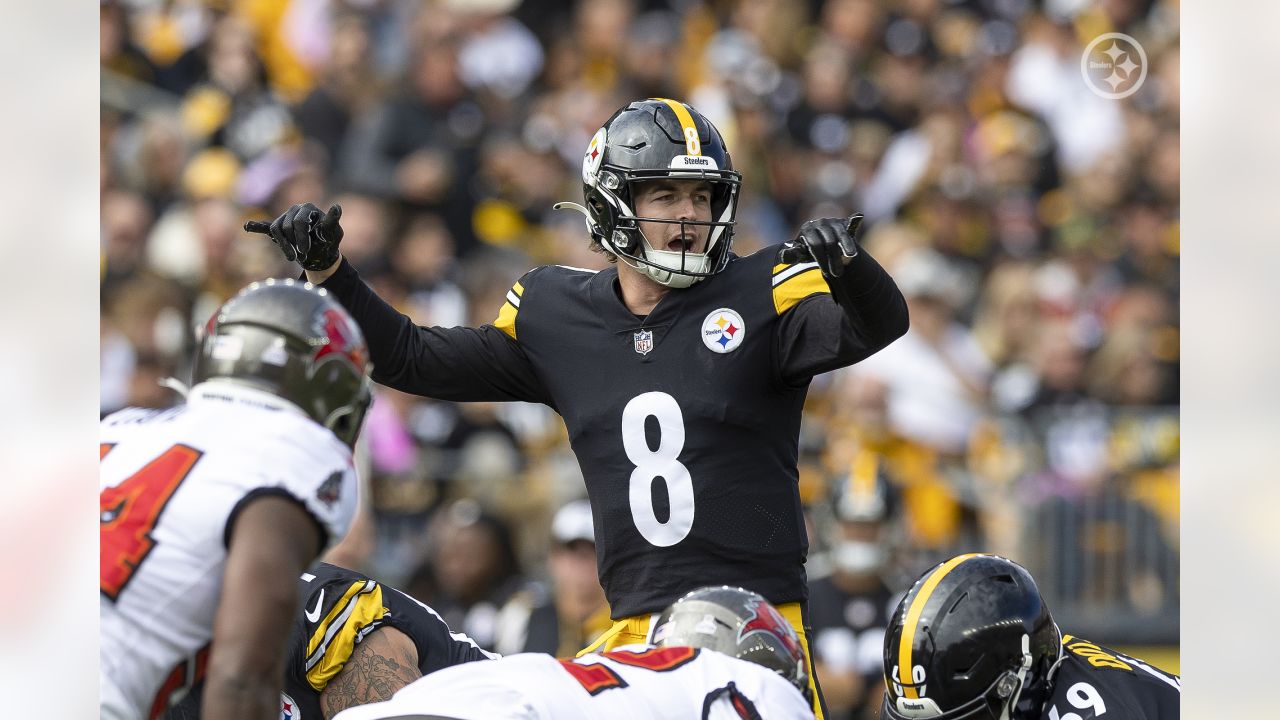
pixel 972 639
pixel 859 531
pixel 292 340
pixel 649 140
pixel 738 623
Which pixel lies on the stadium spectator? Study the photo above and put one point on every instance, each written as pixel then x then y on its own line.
pixel 470 570
pixel 573 612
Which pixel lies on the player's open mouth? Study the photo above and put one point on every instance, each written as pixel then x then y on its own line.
pixel 679 244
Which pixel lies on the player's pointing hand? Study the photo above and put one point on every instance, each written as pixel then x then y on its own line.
pixel 306 235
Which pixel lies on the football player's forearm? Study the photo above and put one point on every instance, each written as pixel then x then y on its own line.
pixel 382 325
pixel 872 300
pixel 238 695
pixel 381 664
pixel 272 541
pixel 458 364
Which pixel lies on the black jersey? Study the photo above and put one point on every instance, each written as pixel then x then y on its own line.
pixel 848 635
pixel 1094 682
pixel 339 608
pixel 685 423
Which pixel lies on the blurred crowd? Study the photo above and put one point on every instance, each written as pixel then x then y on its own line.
pixel 1032 409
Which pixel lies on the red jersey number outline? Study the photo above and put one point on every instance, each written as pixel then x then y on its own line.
pixel 595 678
pixel 130 511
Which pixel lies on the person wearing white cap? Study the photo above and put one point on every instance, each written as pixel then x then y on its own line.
pixel 573 612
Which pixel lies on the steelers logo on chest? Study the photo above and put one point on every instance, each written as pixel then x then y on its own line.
pixel 723 330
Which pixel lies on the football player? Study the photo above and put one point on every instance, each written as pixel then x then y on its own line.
pixel 973 639
pixel 209 510
pixel 356 641
pixel 680 372
pixel 721 652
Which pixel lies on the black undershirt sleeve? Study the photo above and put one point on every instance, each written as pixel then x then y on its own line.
pixel 460 364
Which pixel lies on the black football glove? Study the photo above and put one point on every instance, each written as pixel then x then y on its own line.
pixel 827 241
pixel 305 235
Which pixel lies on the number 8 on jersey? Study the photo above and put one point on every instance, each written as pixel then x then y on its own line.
pixel 651 464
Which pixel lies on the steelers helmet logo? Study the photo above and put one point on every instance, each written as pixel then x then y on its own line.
pixel 593 157
pixel 723 330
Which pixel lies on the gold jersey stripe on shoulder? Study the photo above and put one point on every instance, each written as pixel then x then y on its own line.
pixel 692 145
pixel 912 620
pixel 506 320
pixel 335 637
pixel 793 283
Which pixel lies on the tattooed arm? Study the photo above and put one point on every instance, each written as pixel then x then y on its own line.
pixel 380 664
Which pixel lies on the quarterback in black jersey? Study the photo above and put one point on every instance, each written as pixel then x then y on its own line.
pixel 680 372
pixel 356 641
pixel 974 640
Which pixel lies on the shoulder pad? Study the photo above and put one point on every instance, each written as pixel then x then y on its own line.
pixel 337 615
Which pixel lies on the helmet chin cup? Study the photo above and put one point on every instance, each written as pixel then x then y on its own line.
pixel 668 278
pixel 692 263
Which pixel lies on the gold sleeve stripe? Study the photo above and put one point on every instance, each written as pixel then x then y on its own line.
pixel 335 638
pixel 506 321
pixel 686 123
pixel 784 271
pixel 913 619
pixel 798 286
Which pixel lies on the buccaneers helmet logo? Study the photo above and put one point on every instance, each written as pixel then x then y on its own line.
pixel 765 619
pixel 342 340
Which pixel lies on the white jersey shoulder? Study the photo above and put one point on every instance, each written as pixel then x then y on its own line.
pixel 638 681
pixel 169 483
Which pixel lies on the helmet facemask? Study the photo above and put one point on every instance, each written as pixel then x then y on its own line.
pixel 998 702
pixel 673 268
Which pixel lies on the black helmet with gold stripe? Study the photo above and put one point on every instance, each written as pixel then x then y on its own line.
pixel 972 639
pixel 650 140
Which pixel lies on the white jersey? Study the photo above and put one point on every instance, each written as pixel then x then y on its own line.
pixel 633 681
pixel 170 481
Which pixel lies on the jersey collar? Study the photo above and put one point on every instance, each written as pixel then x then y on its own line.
pixel 232 392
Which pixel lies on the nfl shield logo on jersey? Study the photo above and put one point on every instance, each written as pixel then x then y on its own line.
pixel 644 341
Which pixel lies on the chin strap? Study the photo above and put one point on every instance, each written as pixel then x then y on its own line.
pixel 1015 693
